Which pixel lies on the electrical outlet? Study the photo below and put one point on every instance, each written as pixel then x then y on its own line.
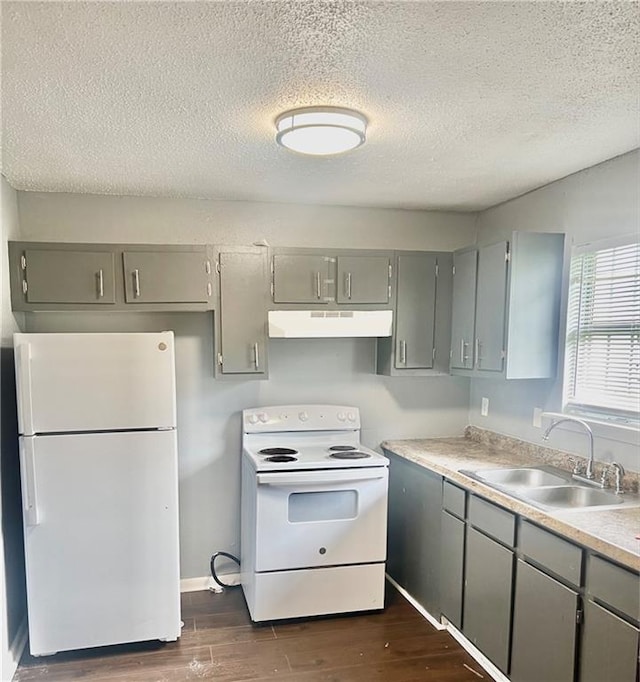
pixel 537 417
pixel 484 408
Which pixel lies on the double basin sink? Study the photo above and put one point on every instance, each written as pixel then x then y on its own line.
pixel 546 487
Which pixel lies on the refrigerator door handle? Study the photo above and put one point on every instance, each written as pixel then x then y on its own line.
pixel 28 480
pixel 24 390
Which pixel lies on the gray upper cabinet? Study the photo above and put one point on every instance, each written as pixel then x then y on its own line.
pixel 491 307
pixel 42 275
pixel 506 307
pixel 363 279
pixel 465 268
pixel 241 323
pixel 420 341
pixel 544 628
pixel 301 278
pixel 333 279
pixel 65 276
pixel 167 276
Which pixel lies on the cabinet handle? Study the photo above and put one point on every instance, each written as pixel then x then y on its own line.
pixel 348 284
pixel 318 292
pixel 464 356
pixel 256 356
pixel 100 283
pixel 478 358
pixel 403 352
pixel 136 283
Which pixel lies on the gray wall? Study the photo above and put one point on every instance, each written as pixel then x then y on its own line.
pixel 595 204
pixel 314 371
pixel 12 588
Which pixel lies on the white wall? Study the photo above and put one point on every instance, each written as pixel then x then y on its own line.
pixel 332 370
pixel 12 589
pixel 597 203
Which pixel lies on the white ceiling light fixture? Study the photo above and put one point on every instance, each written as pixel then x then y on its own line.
pixel 321 131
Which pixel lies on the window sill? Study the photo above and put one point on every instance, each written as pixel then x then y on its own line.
pixel 623 433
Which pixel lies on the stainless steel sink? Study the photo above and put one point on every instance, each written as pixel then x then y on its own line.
pixel 527 477
pixel 548 487
pixel 570 497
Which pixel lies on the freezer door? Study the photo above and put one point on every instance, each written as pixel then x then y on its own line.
pixel 94 382
pixel 101 539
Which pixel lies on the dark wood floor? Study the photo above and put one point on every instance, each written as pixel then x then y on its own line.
pixel 219 643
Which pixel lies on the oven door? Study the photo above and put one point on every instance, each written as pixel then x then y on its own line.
pixel 326 517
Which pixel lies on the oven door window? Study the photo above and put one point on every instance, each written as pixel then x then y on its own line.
pixel 333 505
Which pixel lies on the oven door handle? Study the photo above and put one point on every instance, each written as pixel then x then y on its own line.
pixel 323 477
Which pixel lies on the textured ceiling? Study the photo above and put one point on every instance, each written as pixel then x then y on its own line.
pixel 470 103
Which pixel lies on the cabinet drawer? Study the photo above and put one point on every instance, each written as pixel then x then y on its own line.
pixel 559 556
pixel 453 499
pixel 491 519
pixel 614 585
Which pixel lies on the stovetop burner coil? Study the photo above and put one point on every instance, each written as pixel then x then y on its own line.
pixel 281 458
pixel 350 454
pixel 278 451
pixel 342 448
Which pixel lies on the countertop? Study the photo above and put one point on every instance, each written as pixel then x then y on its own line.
pixel 611 532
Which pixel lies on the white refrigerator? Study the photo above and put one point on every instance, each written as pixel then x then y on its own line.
pixel 98 458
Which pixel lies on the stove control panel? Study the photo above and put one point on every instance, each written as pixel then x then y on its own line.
pixel 301 418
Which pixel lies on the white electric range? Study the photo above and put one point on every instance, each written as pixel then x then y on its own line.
pixel 314 513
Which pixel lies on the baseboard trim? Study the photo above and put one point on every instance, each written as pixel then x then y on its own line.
pixel 207 583
pixel 11 661
pixel 444 624
pixel 418 607
pixel 476 654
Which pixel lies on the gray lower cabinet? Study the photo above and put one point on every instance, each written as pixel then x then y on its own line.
pixel 544 628
pixel 42 275
pixel 241 322
pixel 302 278
pixel 486 619
pixel 413 539
pixel 609 647
pixel 173 275
pixel 452 568
pixel 363 279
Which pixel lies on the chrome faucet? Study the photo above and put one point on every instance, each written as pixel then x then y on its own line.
pixel 619 469
pixel 587 428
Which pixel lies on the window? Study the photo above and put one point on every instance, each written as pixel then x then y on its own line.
pixel 602 370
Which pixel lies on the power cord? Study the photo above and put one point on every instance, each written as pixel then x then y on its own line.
pixel 214 575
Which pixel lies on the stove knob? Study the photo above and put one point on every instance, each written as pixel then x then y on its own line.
pixel 263 417
pixel 253 419
pixel 303 416
pixel 351 417
pixel 341 416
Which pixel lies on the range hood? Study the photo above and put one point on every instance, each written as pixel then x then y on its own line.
pixel 301 324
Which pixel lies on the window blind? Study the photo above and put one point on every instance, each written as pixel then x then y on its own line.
pixel 603 332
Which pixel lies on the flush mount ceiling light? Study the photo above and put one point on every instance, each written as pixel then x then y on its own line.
pixel 321 131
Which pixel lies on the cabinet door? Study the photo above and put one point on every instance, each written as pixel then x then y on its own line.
pixel 167 276
pixel 452 568
pixel 465 264
pixel 415 311
pixel 491 297
pixel 363 279
pixel 544 628
pixel 60 276
pixel 487 598
pixel 609 647
pixel 242 311
pixel 300 278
